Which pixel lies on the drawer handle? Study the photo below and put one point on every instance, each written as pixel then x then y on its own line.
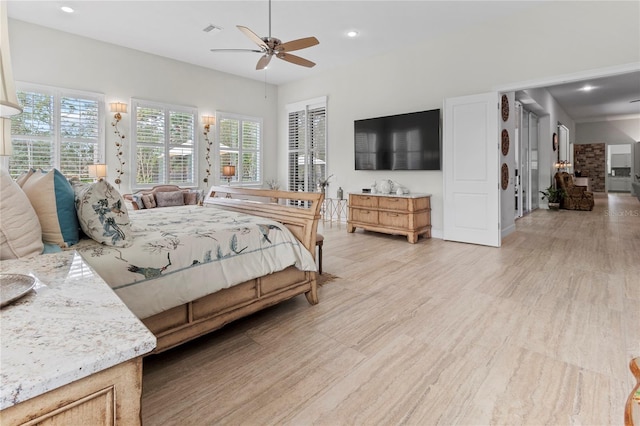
pixel 393 214
pixel 365 211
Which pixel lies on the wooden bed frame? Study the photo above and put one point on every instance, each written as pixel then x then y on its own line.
pixel 196 318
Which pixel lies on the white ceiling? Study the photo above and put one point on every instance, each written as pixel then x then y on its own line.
pixel 174 29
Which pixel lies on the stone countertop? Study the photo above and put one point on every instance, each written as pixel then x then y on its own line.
pixel 393 194
pixel 68 327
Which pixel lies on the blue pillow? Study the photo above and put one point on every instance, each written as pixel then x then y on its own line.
pixel 52 197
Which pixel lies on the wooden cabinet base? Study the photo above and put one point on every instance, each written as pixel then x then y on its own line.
pixel 109 397
pixel 409 216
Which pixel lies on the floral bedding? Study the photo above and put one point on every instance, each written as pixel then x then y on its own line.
pixel 180 254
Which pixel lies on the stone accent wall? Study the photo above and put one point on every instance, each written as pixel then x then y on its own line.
pixel 591 157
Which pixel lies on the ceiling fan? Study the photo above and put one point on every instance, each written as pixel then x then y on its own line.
pixel 271 46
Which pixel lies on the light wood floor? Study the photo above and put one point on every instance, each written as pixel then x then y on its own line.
pixel 540 331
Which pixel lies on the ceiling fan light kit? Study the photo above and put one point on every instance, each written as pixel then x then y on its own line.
pixel 271 46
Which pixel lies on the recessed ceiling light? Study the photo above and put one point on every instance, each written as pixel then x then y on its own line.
pixel 67 9
pixel 587 88
pixel 352 34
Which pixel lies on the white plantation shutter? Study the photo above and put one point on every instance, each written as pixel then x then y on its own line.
pixel 80 131
pixel 164 144
pixel 307 153
pixel 181 149
pixel 57 129
pixel 240 144
pixel 297 151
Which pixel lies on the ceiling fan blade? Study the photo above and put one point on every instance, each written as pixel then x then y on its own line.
pixel 295 59
pixel 301 43
pixel 263 62
pixel 236 50
pixel 253 36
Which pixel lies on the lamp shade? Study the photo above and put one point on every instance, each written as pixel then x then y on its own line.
pixel 5 133
pixel 229 170
pixel 8 100
pixel 97 170
pixel 118 107
pixel 208 120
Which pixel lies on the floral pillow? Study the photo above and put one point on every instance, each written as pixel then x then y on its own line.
pixel 103 215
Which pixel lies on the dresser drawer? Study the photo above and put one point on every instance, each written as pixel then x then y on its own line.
pixel 363 200
pixel 393 203
pixel 394 220
pixel 364 216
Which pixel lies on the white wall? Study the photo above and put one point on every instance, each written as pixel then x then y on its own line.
pixel 623 131
pixel 44 56
pixel 476 61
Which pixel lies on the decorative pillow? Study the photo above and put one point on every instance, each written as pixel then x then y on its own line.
pixel 149 201
pixel 20 180
pixel 191 198
pixel 52 198
pixel 20 232
pixel 137 199
pixel 103 215
pixel 169 198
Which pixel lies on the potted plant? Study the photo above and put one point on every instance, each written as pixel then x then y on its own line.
pixel 554 195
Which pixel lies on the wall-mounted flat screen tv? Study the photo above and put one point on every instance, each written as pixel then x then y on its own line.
pixel 399 142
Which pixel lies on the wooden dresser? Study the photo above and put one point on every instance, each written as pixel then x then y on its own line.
pixel 408 214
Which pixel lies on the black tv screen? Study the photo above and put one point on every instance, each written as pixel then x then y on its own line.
pixel 399 142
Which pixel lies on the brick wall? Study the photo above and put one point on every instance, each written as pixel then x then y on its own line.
pixel 591 157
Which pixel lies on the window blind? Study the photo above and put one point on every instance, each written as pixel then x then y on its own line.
pixel 307 148
pixel 240 144
pixel 57 129
pixel 164 144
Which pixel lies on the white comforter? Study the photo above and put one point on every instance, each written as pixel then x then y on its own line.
pixel 182 253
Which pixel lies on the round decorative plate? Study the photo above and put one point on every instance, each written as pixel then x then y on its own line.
pixel 505 142
pixel 14 286
pixel 505 108
pixel 504 176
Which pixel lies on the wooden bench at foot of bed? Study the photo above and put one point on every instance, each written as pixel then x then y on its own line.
pixel 185 322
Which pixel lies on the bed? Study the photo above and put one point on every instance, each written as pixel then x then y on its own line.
pixel 167 257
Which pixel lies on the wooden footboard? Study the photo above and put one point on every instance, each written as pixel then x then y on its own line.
pixel 193 319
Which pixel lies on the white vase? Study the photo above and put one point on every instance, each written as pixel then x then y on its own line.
pixel 385 186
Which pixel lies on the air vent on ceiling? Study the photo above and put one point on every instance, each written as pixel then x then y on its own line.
pixel 210 28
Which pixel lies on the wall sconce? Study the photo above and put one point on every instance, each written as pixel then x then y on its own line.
pixel 97 171
pixel 9 105
pixel 228 172
pixel 118 108
pixel 208 121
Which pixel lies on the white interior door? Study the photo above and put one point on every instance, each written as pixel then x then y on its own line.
pixel 471 169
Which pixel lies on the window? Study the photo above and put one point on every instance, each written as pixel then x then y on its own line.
pixel 240 137
pixel 307 144
pixel 163 132
pixel 58 128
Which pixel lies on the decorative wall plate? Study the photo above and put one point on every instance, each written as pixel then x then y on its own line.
pixel 505 108
pixel 505 141
pixel 504 178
